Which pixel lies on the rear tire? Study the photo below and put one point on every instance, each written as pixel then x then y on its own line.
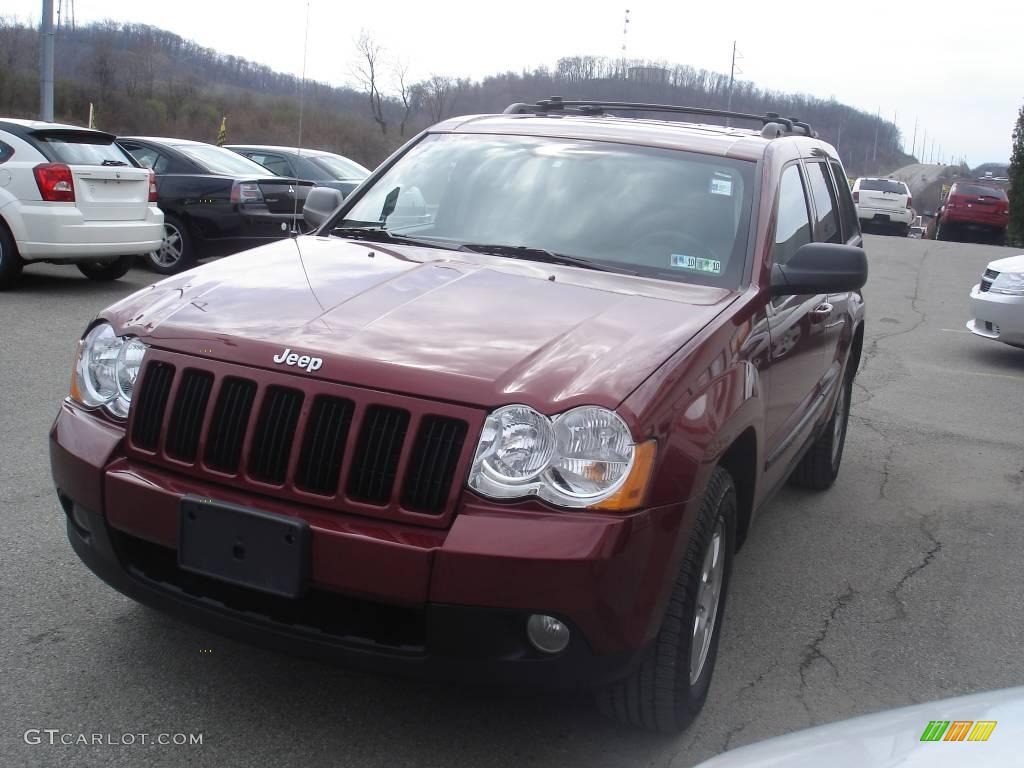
pixel 668 688
pixel 106 270
pixel 819 467
pixel 176 252
pixel 10 260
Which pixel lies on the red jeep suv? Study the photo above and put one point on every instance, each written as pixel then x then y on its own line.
pixel 507 415
pixel 974 208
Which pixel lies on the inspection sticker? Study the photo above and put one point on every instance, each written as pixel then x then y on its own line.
pixel 698 265
pixel 721 186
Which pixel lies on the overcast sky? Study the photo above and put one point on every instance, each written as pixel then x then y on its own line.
pixel 956 67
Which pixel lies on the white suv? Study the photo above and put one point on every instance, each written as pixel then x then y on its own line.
pixel 884 201
pixel 71 195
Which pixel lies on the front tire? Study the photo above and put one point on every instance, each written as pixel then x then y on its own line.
pixel 668 689
pixel 176 253
pixel 10 260
pixel 106 270
pixel 819 467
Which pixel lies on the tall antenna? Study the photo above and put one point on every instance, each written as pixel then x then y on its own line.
pixel 65 14
pixel 625 38
pixel 302 105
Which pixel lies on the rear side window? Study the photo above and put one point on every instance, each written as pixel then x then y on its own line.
pixel 83 149
pixel 793 227
pixel 6 152
pixel 826 227
pixel 150 158
pixel 884 185
pixel 276 164
pixel 847 210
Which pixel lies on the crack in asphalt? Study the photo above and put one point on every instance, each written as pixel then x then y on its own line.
pixel 813 652
pixel 929 557
pixel 739 727
pixel 871 352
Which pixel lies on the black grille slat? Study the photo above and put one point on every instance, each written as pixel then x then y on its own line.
pixel 229 424
pixel 323 447
pixel 435 456
pixel 274 435
pixel 187 415
pixel 150 404
pixel 378 451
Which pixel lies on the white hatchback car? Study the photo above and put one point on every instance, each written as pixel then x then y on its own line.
pixel 884 201
pixel 71 195
pixel 997 302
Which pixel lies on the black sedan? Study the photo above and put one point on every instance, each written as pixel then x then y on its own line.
pixel 325 169
pixel 215 202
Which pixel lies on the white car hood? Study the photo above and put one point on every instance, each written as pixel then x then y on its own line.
pixel 1009 264
pixel 893 738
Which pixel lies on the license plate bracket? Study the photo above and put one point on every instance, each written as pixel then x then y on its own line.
pixel 247 547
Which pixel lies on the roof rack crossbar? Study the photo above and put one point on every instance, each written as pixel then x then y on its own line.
pixel 598 107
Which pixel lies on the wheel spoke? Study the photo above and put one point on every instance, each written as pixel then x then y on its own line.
pixel 709 591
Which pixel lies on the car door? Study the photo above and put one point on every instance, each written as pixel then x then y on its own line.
pixel 828 228
pixel 796 329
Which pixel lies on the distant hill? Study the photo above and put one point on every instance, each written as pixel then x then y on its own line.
pixel 144 80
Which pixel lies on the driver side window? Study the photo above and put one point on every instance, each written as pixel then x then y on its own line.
pixel 793 223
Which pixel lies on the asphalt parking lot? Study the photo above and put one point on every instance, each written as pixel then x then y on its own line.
pixel 898 586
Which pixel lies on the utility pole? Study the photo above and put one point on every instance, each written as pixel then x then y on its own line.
pixel 46 63
pixel 732 79
pixel 913 148
pixel 874 151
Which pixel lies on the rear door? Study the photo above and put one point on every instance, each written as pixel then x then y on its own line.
pixel 108 186
pixel 829 228
pixel 796 328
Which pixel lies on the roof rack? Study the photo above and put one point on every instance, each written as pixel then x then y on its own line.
pixel 772 124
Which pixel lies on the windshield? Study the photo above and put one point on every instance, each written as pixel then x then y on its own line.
pixel 220 160
pixel 883 185
pixel 340 168
pixel 657 212
pixel 979 190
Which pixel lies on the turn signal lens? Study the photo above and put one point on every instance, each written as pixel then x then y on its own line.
pixel 633 492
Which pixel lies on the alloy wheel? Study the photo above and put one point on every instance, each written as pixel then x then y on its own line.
pixel 170 249
pixel 709 597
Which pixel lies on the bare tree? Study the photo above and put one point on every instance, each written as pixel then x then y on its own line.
pixel 439 93
pixel 366 71
pixel 407 92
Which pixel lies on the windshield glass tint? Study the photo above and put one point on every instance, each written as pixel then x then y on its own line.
pixel 340 168
pixel 220 160
pixel 883 185
pixel 657 212
pixel 85 150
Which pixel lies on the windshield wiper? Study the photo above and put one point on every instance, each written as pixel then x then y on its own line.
pixel 546 256
pixel 377 234
pixel 114 162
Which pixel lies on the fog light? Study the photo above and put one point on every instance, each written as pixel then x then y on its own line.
pixel 547 634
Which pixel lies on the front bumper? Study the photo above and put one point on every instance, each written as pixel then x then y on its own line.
pixel 997 316
pixel 389 596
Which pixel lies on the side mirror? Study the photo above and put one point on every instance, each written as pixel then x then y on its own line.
pixel 320 204
pixel 821 268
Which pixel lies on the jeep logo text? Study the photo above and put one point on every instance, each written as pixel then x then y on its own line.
pixel 302 361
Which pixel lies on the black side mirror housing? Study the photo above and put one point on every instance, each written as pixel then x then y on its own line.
pixel 320 205
pixel 821 268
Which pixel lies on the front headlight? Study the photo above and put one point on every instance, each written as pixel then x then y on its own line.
pixel 585 457
pixel 106 367
pixel 1011 283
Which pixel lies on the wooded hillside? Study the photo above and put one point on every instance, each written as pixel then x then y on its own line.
pixel 147 81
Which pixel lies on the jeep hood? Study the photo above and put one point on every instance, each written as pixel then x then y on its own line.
pixel 441 324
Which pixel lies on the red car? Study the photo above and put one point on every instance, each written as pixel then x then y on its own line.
pixel 976 209
pixel 506 416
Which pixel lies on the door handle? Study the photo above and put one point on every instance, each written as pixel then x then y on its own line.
pixel 821 313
